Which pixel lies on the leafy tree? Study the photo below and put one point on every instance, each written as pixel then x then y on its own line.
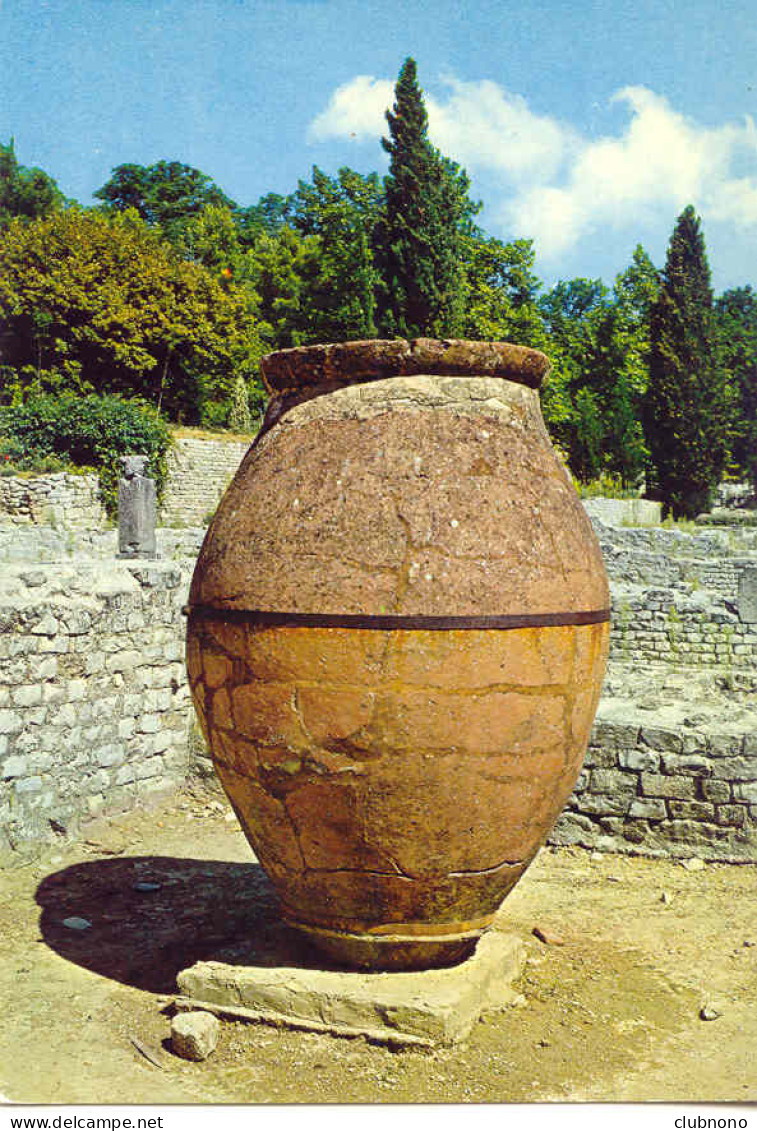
pixel 166 194
pixel 342 213
pixel 99 304
pixel 419 245
pixel 736 312
pixel 267 217
pixel 501 291
pixel 281 270
pixel 685 415
pixel 600 345
pixel 28 193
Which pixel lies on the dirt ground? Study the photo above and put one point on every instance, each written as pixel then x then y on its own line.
pixel 612 1014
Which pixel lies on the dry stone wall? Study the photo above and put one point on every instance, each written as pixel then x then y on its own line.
pixel 666 790
pixel 93 699
pixel 199 471
pixel 59 500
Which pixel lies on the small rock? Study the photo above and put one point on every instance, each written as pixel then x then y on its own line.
pixel 549 938
pixel 146 885
pixel 750 942
pixel 666 897
pixel 194 1035
pixel 230 817
pixel 518 1001
pixel 76 923
pixel 596 857
pixel 709 1013
pixel 695 864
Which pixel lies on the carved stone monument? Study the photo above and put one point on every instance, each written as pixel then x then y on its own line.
pixel 137 510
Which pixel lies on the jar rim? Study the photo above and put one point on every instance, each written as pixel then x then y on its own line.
pixel 345 363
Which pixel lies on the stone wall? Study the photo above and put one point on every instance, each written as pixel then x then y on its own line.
pixel 624 512
pixel 31 545
pixel 666 791
pixel 95 716
pixel 58 500
pixel 199 471
pixel 94 708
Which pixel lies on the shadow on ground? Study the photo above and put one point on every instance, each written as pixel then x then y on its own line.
pixel 152 916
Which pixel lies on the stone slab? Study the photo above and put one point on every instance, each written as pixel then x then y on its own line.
pixel 427 1007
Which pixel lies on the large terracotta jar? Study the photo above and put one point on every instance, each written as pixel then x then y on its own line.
pixel 397 635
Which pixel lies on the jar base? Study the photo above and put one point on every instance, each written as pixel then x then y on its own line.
pixel 384 952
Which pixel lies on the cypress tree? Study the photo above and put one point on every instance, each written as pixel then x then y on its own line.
pixel 685 412
pixel 419 241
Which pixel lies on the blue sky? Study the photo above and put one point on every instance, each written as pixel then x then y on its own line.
pixel 584 126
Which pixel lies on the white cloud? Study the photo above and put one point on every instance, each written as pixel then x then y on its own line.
pixel 658 164
pixel 355 110
pixel 558 187
pixel 483 126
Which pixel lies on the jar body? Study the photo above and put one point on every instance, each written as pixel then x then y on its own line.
pixel 397 636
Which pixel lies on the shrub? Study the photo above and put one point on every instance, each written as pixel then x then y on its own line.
pixel 91 431
pixel 240 418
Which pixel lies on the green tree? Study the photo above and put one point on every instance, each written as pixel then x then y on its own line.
pixel 419 243
pixel 28 193
pixel 342 213
pixel 685 412
pixel 736 312
pixel 99 304
pixel 281 270
pixel 166 194
pixel 501 291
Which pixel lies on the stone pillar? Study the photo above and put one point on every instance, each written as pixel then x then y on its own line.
pixel 137 510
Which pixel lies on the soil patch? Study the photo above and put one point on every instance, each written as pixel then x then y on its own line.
pixel 611 1014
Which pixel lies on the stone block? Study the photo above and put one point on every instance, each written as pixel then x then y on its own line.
pixel 648 760
pixel 648 809
pixel 614 782
pixel 111 755
pixel 29 785
pixel 573 828
pixel 691 810
pixel 694 764
pixel 661 785
pixel 426 1007
pixel 719 791
pixel 661 738
pixel 733 815
pixel 599 804
pixel 194 1035
pixel 621 736
pixel 724 745
pixel 11 722
pixel 747 595
pixel 28 695
pixel 604 758
pixel 16 766
pixel 735 769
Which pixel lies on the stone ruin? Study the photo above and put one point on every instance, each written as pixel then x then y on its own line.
pixel 95 715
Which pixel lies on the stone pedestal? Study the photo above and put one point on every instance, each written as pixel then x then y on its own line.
pixel 137 510
pixel 425 1007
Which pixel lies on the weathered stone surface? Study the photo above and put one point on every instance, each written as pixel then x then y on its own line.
pixel 747 594
pixel 194 1034
pixel 344 558
pixel 137 510
pixel 429 1007
pixel 79 731
pixel 660 785
pixel 349 363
